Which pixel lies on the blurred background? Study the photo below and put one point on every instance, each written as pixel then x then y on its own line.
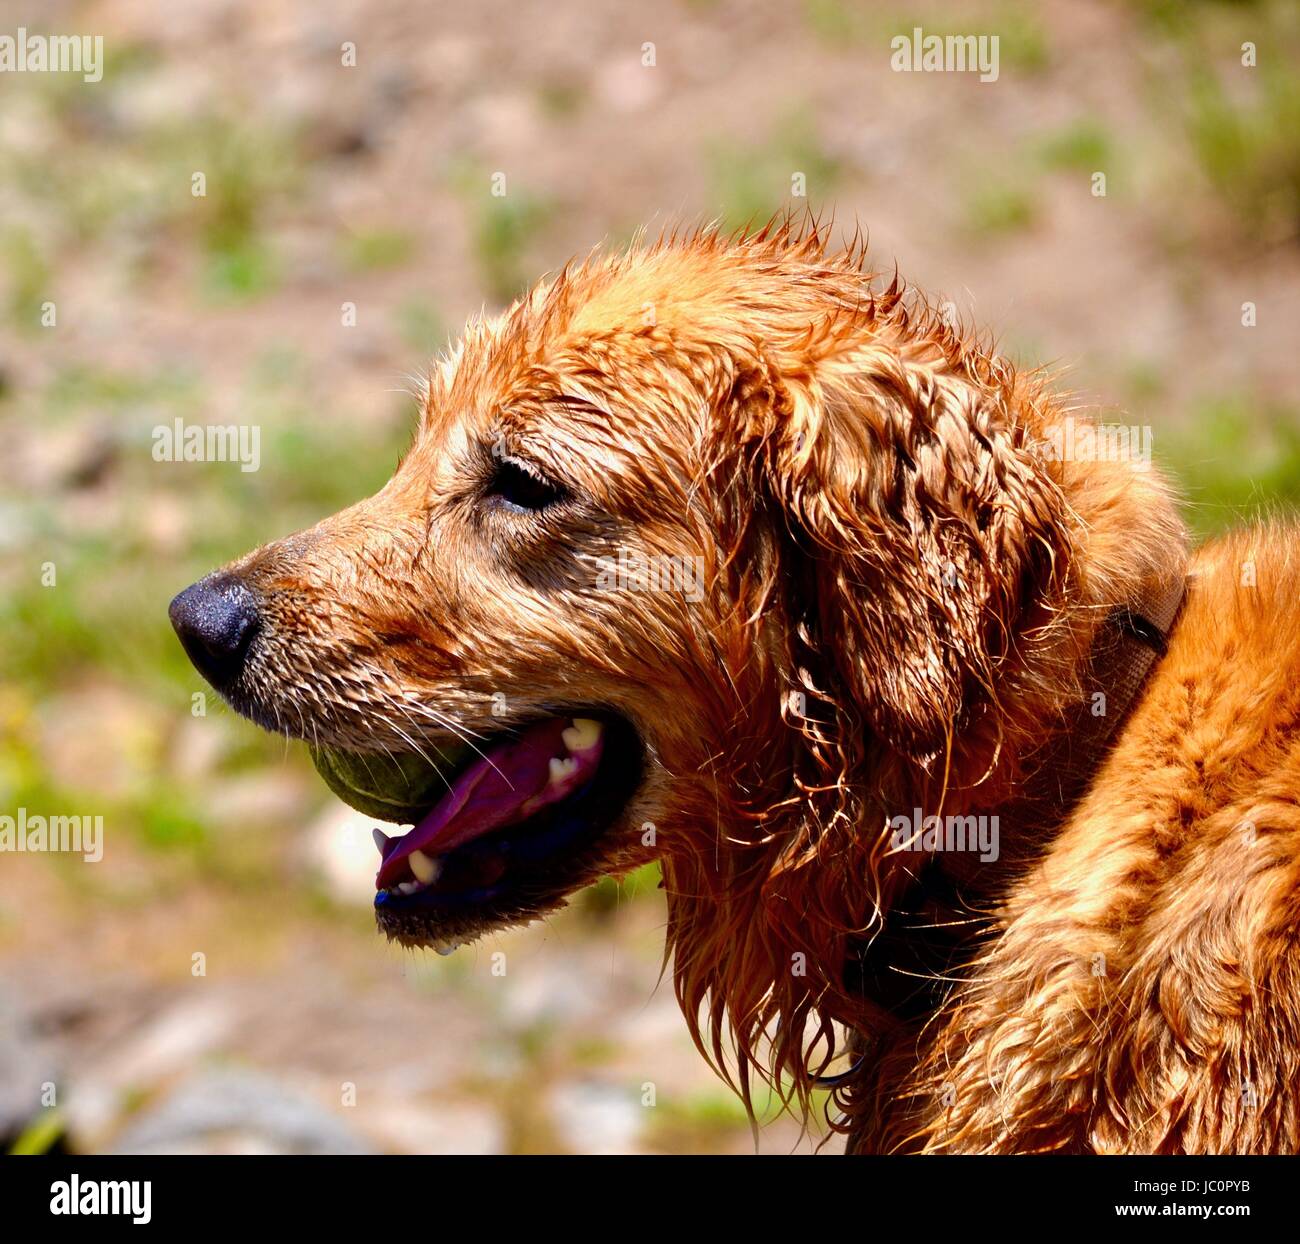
pixel 371 184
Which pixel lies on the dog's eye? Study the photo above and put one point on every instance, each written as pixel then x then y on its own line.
pixel 522 488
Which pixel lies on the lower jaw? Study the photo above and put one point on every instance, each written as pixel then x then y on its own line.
pixel 524 871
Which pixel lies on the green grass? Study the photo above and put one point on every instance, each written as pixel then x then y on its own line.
pixel 750 184
pixel 866 29
pixel 999 208
pixel 1022 42
pixel 29 279
pixel 504 229
pixel 244 169
pixel 169 819
pixel 1004 201
pixel 422 327
pixel 238 272
pixel 1237 122
pixel 378 249
pixel 839 23
pixel 711 1118
pixel 1233 459
pixel 104 621
pixel 1249 152
pixel 1144 382
pixel 561 100
pixel 607 895
pixel 40 1135
pixel 137 185
pixel 1083 146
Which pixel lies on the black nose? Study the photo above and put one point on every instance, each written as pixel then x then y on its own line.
pixel 216 619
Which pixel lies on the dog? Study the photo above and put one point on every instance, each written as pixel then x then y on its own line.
pixel 976 794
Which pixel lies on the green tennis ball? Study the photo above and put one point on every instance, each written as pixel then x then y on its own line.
pixel 400 789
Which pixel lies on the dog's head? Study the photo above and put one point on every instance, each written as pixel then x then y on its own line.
pixel 690 546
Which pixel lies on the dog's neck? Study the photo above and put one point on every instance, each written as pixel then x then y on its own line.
pixel 1122 611
pixel 1129 554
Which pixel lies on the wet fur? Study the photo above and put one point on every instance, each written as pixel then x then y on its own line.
pixel 903 588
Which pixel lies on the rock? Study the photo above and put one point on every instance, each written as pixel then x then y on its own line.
pixel 341 850
pixel 26 1065
pixel 237 1111
pixel 550 989
pixel 141 1062
pixel 401 1126
pixel 595 1117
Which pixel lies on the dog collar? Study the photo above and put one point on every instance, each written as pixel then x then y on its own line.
pixel 1148 627
pixel 1131 642
pixel 1134 638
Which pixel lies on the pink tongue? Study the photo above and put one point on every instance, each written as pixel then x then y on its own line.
pixel 509 783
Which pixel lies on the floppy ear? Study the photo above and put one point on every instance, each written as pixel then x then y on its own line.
pixel 911 492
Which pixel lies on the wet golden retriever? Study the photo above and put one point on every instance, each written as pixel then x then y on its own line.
pixel 976 798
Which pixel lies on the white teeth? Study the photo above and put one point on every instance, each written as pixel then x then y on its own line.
pixel 381 840
pixel 562 769
pixel 408 887
pixel 583 734
pixel 425 869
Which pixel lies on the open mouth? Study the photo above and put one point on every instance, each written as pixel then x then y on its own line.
pixel 502 829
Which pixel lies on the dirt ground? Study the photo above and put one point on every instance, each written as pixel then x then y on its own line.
pixel 370 185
